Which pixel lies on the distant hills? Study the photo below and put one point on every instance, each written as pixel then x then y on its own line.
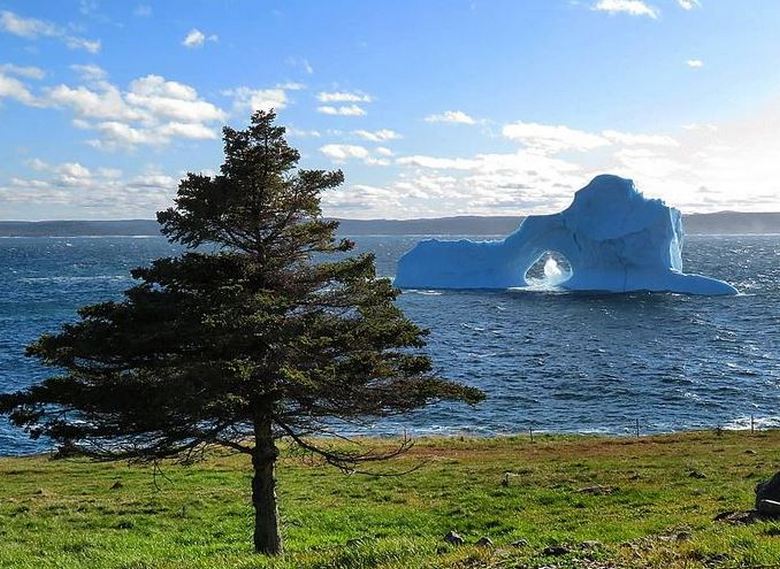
pixel 727 222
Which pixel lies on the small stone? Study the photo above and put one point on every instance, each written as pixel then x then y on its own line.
pixel 736 518
pixel 750 451
pixel 592 544
pixel 555 550
pixel 683 536
pixel 696 474
pixel 519 543
pixel 598 490
pixel 484 541
pixel 117 485
pixel 453 538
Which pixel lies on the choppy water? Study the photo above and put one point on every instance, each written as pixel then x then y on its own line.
pixel 551 361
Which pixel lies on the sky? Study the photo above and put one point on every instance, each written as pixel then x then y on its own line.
pixel 430 107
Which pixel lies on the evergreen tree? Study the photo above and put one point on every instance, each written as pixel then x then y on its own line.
pixel 256 332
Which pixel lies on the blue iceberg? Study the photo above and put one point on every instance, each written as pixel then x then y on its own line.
pixel 614 238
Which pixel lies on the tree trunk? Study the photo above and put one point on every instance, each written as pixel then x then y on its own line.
pixel 267 538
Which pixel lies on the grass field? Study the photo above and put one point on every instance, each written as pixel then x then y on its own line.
pixel 653 506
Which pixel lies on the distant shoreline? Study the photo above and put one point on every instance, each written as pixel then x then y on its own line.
pixel 721 223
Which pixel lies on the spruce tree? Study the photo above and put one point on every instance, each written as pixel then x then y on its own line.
pixel 261 329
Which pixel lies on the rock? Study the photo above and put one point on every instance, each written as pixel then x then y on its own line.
pixel 769 490
pixel 736 518
pixel 453 538
pixel 591 544
pixel 598 490
pixel 484 541
pixel 696 474
pixel 555 550
pixel 519 543
pixel 750 451
pixel 770 508
pixel 116 485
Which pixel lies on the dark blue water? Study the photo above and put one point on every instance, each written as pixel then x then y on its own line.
pixel 551 361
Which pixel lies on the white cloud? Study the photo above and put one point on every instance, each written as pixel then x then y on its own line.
pixel 694 63
pixel 344 110
pixel 28 72
pixel 291 86
pixel 343 97
pixel 552 138
pixel 689 4
pixel 245 98
pixel 437 163
pixel 301 133
pixel 143 11
pixel 383 151
pixel 152 111
pixel 101 192
pixel 13 88
pixel 458 117
pixel 381 135
pixel 171 100
pixel 629 139
pixel 92 46
pixel 196 38
pixel 340 153
pixel 631 7
pixel 90 72
pixel 32 28
pixel 532 179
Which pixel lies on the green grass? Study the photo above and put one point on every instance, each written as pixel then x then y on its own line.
pixel 63 514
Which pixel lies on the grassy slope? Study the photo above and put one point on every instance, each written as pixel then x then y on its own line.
pixel 65 513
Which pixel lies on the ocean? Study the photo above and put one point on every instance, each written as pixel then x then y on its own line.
pixel 548 361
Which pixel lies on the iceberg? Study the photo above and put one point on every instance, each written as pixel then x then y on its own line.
pixel 615 240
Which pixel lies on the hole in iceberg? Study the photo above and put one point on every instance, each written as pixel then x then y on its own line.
pixel 551 269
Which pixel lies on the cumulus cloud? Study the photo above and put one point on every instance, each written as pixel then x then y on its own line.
pixel 13 88
pixel 33 28
pixel 457 117
pixel 302 133
pixel 28 72
pixel 196 38
pixel 381 135
pixel 630 139
pixel 689 4
pixel 541 176
pixel 631 7
pixel 552 138
pixel 343 97
pixel 245 98
pixel 105 191
pixel 343 110
pixel 153 110
pixel 340 153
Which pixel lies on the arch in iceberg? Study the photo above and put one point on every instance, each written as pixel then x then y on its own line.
pixel 614 238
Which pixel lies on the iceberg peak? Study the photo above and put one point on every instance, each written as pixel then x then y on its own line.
pixel 614 238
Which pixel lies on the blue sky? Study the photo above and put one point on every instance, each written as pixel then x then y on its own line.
pixel 430 107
